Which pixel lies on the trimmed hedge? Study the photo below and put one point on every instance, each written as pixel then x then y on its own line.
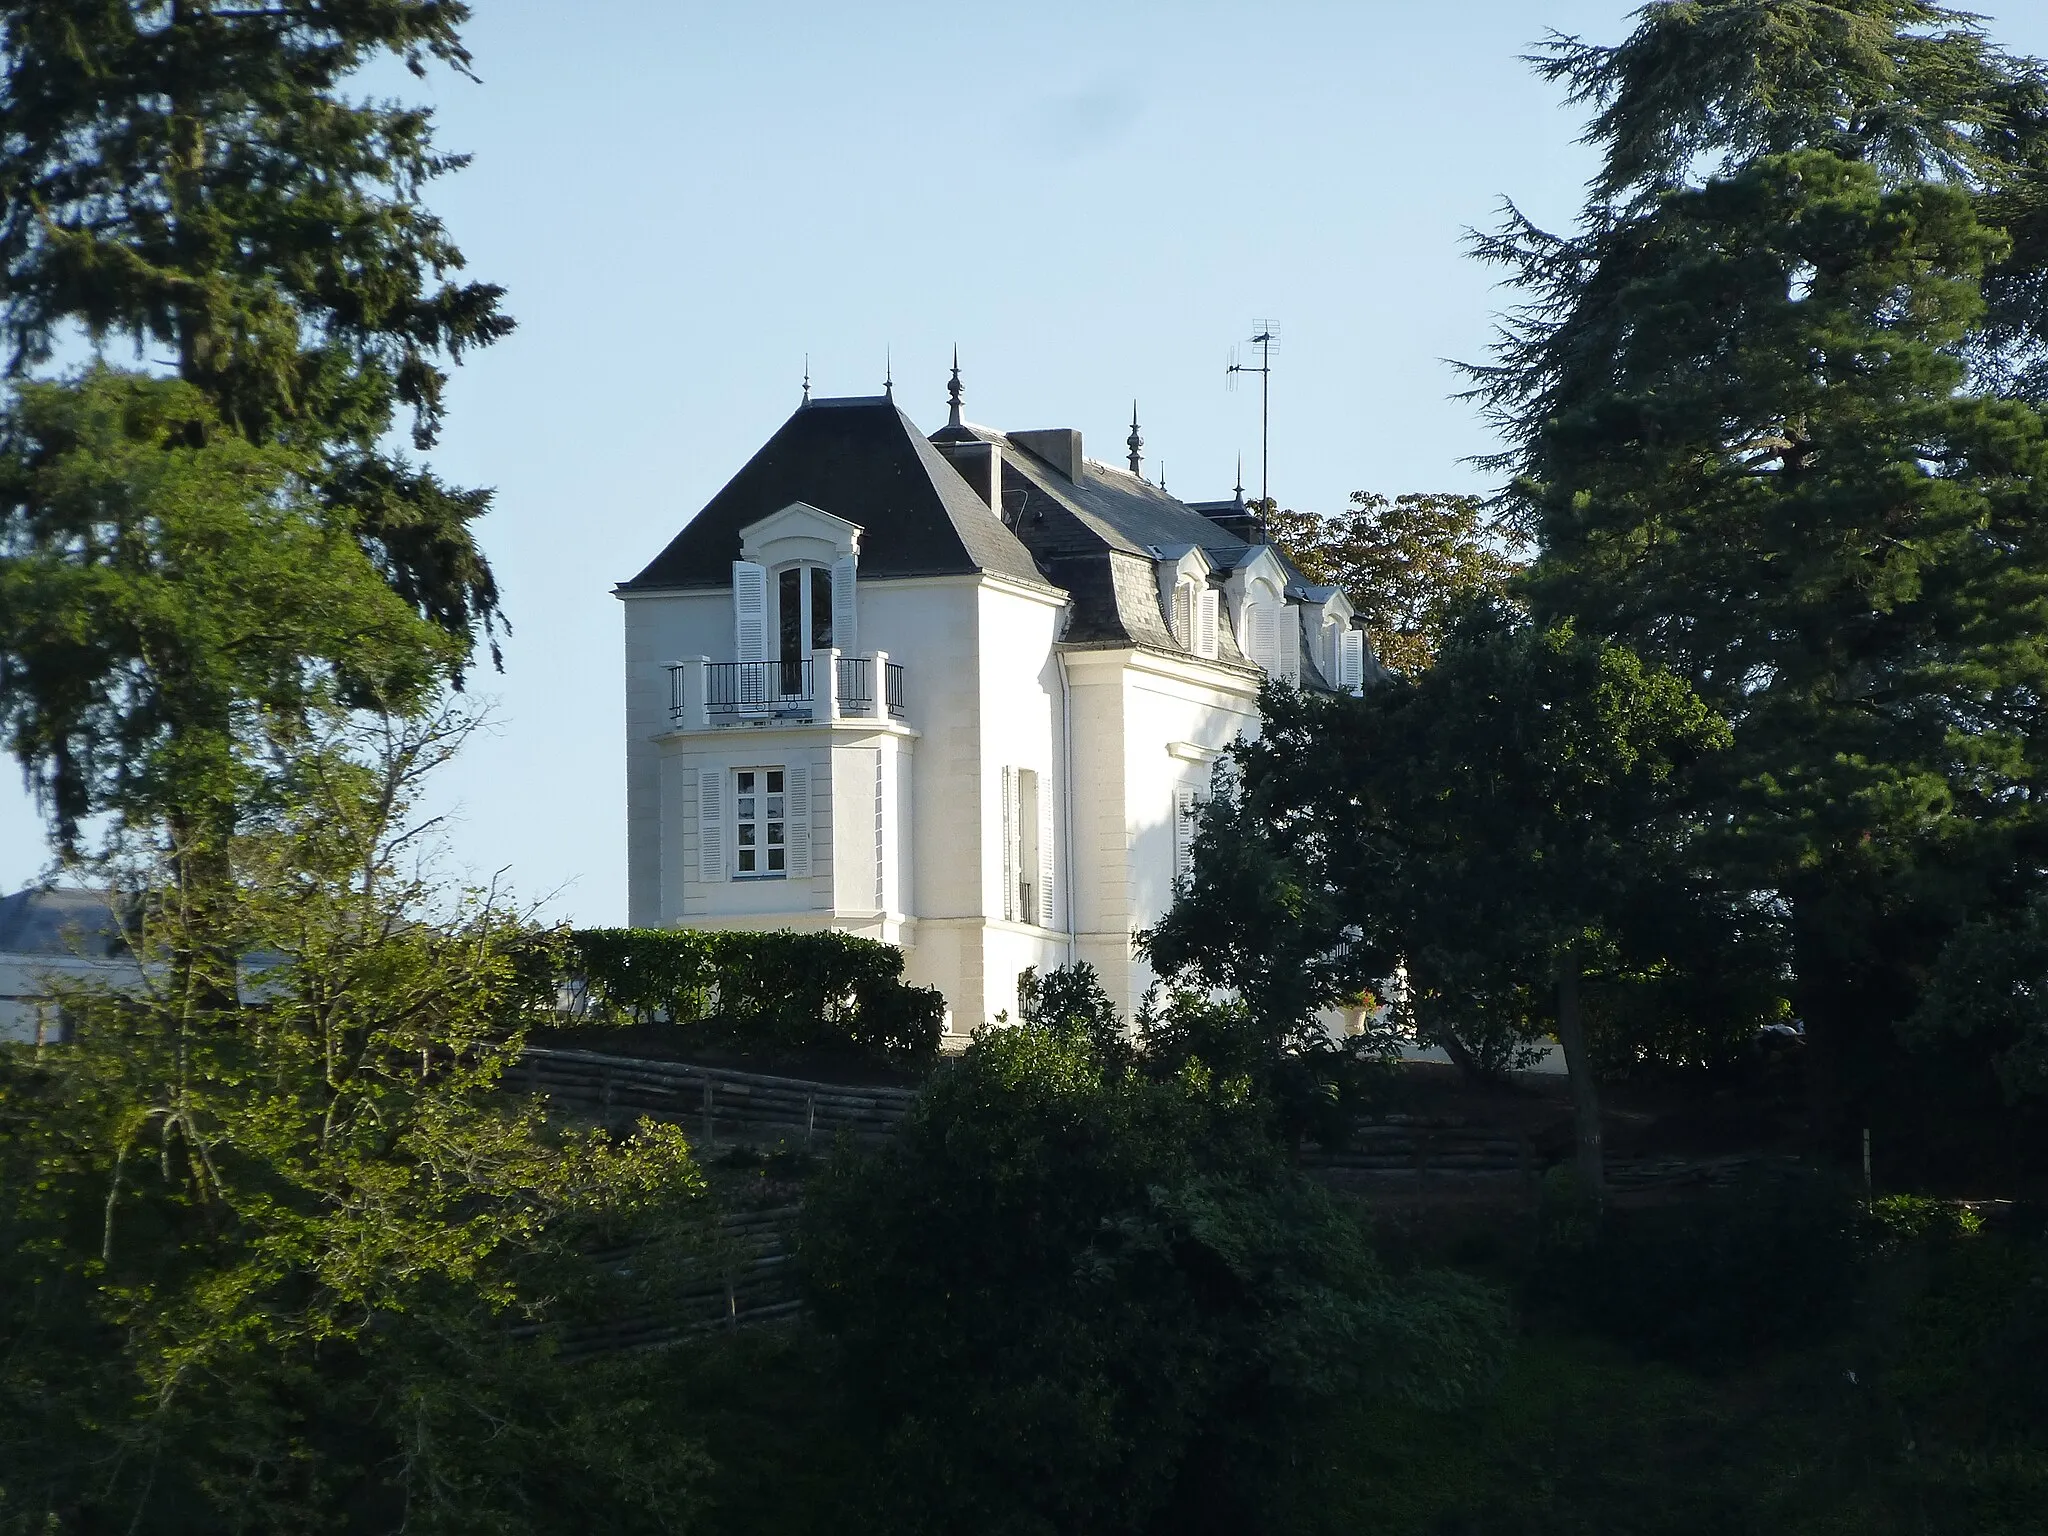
pixel 784 992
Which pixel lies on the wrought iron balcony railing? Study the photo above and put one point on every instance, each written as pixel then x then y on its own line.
pixel 703 693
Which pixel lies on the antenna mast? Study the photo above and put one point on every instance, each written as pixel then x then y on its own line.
pixel 1266 335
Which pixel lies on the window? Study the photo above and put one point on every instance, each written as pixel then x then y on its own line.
pixel 760 820
pixel 803 621
pixel 766 836
pixel 1186 800
pixel 1027 847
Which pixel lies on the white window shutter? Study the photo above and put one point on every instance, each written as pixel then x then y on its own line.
pixel 1009 845
pixel 1045 862
pixel 1206 614
pixel 796 827
pixel 711 826
pixel 1183 615
pixel 1183 833
pixel 1261 626
pixel 1287 644
pixel 844 621
pixel 749 611
pixel 1351 669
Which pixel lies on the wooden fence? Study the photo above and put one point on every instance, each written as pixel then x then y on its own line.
pixel 1402 1147
pixel 742 1275
pixel 723 1107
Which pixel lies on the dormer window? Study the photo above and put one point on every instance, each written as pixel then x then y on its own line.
pixel 803 610
pixel 793 588
pixel 1191 604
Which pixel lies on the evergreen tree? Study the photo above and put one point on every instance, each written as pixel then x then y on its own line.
pixel 1776 431
pixel 190 175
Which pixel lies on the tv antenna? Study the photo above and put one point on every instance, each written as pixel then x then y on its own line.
pixel 1265 336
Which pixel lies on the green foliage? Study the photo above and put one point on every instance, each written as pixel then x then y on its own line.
pixel 1774 422
pixel 1069 1000
pixel 179 613
pixel 1913 1218
pixel 1071 1298
pixel 260 1265
pixel 195 176
pixel 1256 916
pixel 1990 987
pixel 1713 1281
pixel 1409 565
pixel 787 992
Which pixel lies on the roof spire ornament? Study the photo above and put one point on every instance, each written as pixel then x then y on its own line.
pixel 807 378
pixel 953 391
pixel 889 373
pixel 1240 480
pixel 1135 443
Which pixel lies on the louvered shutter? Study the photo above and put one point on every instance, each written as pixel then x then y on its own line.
pixel 1045 861
pixel 796 828
pixel 844 621
pixel 1351 669
pixel 1183 833
pixel 1261 626
pixel 711 826
pixel 1287 645
pixel 1183 615
pixel 1206 612
pixel 749 611
pixel 1010 845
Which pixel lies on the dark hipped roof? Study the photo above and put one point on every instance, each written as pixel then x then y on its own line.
pixel 863 460
pixel 62 920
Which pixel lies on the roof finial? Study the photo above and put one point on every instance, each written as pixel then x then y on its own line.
pixel 807 378
pixel 1162 474
pixel 953 390
pixel 1240 479
pixel 1134 442
pixel 889 373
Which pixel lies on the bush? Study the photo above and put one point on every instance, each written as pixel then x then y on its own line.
pixel 832 993
pixel 1072 1298
pixel 1708 1282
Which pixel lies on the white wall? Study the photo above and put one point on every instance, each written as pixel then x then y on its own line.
pixel 1019 689
pixel 1144 726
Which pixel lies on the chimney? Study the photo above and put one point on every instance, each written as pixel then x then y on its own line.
pixel 981 466
pixel 1058 446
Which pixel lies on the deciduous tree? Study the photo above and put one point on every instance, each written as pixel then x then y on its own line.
pixel 1408 564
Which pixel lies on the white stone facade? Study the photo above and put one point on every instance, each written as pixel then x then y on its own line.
pixel 1021 799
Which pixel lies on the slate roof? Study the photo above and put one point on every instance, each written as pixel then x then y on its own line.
pixel 864 460
pixel 60 921
pixel 1097 537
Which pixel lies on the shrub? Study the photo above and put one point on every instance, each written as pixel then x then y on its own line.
pixel 782 992
pixel 1073 1298
pixel 1708 1282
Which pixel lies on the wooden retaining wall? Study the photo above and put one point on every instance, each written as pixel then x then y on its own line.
pixel 723 1107
pixel 744 1276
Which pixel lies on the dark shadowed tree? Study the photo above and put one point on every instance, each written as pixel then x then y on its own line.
pixel 1777 431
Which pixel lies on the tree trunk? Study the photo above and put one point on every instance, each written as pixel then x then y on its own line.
pixel 1571 1034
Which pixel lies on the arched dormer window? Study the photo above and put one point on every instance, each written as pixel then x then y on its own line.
pixel 793 588
pixel 1190 603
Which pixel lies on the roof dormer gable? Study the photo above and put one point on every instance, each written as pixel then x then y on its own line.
pixel 799 534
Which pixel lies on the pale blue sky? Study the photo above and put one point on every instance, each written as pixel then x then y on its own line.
pixel 1093 201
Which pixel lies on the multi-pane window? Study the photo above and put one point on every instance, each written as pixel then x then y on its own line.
pixel 760 824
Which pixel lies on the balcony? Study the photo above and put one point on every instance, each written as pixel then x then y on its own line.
pixel 705 694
